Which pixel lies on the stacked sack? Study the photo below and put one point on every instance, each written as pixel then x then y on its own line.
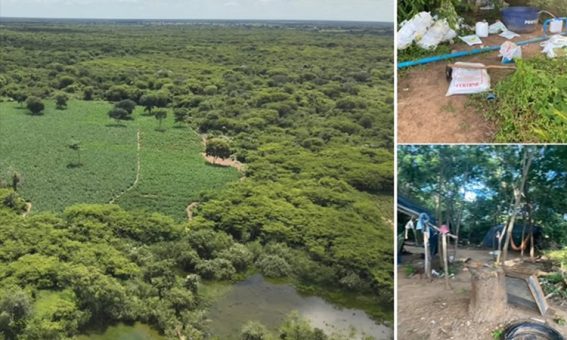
pixel 426 31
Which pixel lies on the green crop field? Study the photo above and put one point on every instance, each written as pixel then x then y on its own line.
pixel 173 172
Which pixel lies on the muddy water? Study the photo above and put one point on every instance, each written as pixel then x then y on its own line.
pixel 269 303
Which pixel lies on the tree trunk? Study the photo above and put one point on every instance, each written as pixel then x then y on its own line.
pixel 460 214
pixel 531 224
pixel 518 191
pixel 532 246
pixel 522 245
pixel 488 294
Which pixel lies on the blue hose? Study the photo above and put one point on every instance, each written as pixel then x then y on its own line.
pixel 464 53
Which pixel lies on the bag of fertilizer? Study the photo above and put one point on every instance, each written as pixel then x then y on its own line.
pixel 471 80
pixel 413 29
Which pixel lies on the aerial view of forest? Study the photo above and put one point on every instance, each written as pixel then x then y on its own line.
pixel 167 178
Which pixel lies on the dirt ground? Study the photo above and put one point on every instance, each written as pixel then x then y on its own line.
pixel 427 310
pixel 426 115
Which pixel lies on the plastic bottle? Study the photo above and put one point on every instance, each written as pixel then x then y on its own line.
pixel 556 26
pixel 482 29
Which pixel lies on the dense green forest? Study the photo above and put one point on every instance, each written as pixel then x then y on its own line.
pixel 307 110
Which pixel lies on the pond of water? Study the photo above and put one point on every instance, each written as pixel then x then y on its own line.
pixel 269 303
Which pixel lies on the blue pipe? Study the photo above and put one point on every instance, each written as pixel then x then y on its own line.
pixel 475 51
pixel 463 53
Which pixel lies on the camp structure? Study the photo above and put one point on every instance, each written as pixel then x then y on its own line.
pixel 520 236
pixel 434 237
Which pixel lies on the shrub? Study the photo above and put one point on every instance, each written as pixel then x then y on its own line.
pixel 273 266
pixel 211 90
pixel 127 105
pixel 217 269
pixel 253 330
pixel 61 101
pixel 35 105
pixel 238 255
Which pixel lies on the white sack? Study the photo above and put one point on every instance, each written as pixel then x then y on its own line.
pixel 469 81
pixel 438 33
pixel 413 29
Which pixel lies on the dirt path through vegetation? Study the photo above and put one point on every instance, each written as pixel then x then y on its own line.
pixel 427 310
pixel 138 166
pixel 426 115
pixel 215 161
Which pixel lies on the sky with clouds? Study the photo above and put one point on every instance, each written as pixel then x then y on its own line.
pixel 359 10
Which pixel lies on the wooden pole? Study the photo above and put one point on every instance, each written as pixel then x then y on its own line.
pixel 416 240
pixel 427 253
pixel 445 260
pixel 439 249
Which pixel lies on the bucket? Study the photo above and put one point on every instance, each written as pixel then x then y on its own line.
pixel 521 19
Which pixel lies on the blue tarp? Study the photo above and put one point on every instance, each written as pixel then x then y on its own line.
pixel 490 240
pixel 405 204
pixel 408 204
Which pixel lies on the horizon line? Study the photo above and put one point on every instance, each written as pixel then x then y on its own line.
pixel 195 19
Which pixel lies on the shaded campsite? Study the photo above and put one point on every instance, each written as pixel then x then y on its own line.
pixel 481 240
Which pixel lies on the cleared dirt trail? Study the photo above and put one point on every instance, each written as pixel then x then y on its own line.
pixel 138 167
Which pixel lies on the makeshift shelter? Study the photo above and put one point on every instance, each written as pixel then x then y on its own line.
pixel 490 240
pixel 431 237
pixel 410 208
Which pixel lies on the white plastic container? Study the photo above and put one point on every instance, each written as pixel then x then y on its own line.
pixel 556 26
pixel 482 29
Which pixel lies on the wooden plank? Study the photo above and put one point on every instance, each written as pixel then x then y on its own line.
pixel 516 274
pixel 538 294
